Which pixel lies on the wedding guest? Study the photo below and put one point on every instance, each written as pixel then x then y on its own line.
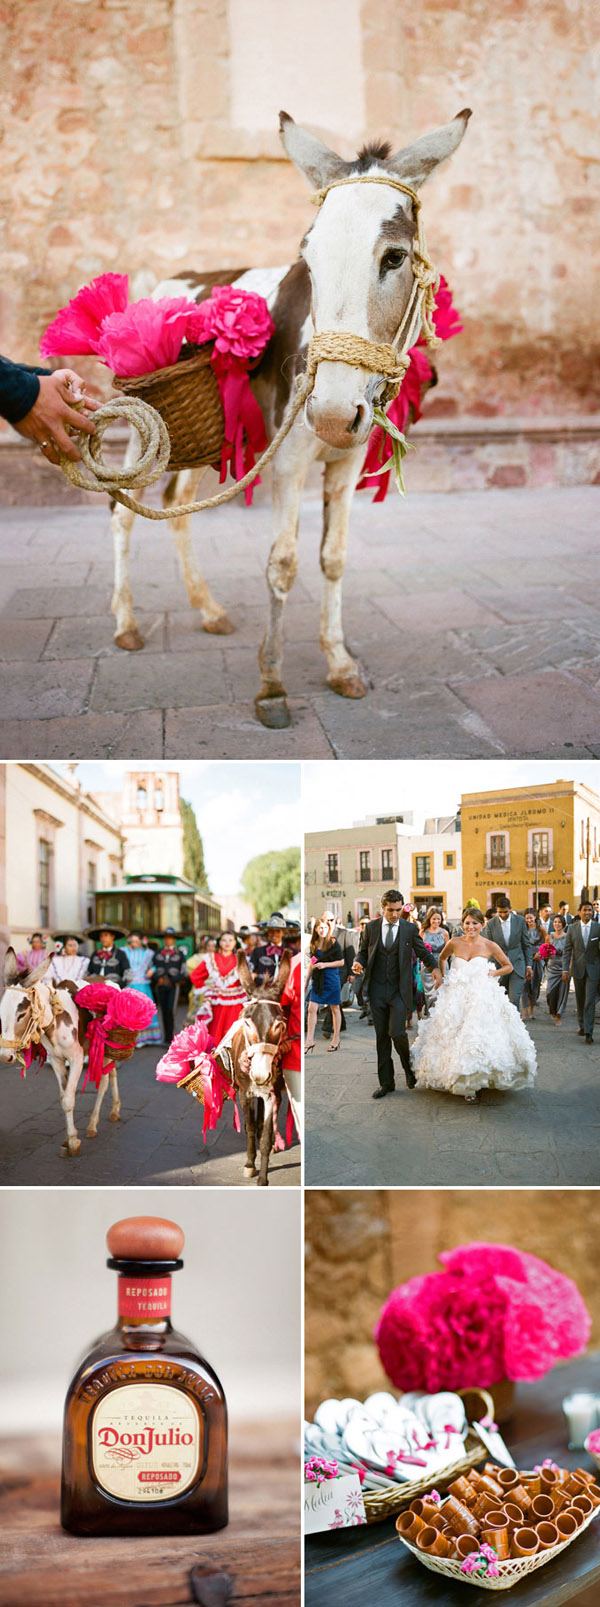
pixel 326 962
pixel 435 935
pixel 68 965
pixel 508 931
pixel 545 918
pixel 221 988
pixel 563 909
pixel 557 990
pixel 291 1065
pixel 346 942
pixel 33 955
pixel 534 936
pixel 109 962
pixel 140 960
pixel 167 970
pixel 581 955
pixel 265 958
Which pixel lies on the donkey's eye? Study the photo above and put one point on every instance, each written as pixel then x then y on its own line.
pixel 392 259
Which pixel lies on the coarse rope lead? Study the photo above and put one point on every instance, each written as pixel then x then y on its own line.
pixel 335 346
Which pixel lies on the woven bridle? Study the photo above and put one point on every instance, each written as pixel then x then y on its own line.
pixel 36 1021
pixel 390 361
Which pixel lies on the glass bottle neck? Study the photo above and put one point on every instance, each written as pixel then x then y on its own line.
pixel 144 1301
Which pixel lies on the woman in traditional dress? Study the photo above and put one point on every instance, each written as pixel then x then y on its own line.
pixel 67 964
pixel 435 935
pixel 35 952
pixel 475 1037
pixel 534 937
pixel 557 991
pixel 326 962
pixel 218 978
pixel 139 960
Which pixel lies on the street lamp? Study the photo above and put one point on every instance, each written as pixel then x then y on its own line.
pixel 535 844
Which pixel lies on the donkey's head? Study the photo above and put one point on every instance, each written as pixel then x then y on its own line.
pixel 16 1005
pixel 262 1028
pixel 358 253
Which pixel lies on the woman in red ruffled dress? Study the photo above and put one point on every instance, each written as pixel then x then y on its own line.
pixel 223 997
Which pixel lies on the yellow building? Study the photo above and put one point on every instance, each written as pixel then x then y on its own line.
pixel 538 844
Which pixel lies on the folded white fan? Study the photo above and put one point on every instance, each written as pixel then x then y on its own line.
pixel 381 1406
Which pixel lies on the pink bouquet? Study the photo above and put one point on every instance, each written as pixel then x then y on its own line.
pixel 492 1313
pixel 110 1008
pixel 546 951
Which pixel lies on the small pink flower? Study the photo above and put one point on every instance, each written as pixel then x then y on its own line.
pixel 238 321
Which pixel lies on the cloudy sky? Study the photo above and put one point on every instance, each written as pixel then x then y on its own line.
pixel 241 809
pixel 341 794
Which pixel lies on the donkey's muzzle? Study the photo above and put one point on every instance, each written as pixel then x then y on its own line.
pixel 343 425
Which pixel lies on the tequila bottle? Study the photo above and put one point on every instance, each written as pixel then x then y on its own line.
pixel 145 1426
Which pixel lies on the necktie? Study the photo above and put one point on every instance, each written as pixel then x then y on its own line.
pixel 389 938
pixel 585 932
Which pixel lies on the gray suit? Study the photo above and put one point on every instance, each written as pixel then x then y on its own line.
pixel 584 962
pixel 517 950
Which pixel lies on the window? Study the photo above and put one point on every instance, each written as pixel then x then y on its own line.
pixel 364 860
pixel 44 878
pixel 91 875
pixel 158 796
pixel 423 870
pixel 540 847
pixel 141 796
pixel 449 861
pixel 363 909
pixel 333 868
pixel 387 866
pixel 497 850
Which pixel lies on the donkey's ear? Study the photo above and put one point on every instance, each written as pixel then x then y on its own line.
pixel 285 966
pixel 314 159
pixel 11 967
pixel 37 974
pixel 416 162
pixel 247 978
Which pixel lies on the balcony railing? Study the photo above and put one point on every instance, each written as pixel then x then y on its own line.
pixel 496 863
pixel 363 873
pixel 542 864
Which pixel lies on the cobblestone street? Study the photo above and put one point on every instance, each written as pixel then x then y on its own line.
pixel 158 1140
pixel 546 1136
pixel 474 614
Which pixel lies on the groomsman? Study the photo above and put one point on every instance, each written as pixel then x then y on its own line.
pixel 563 910
pixel 385 959
pixel 509 931
pixel 581 954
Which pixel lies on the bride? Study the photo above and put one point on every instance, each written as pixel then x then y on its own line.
pixel 475 1037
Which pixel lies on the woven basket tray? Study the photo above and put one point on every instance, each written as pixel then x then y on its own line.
pixel 188 399
pixel 387 1505
pixel 511 1572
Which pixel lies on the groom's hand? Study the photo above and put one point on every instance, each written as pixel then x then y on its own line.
pixel 357 969
pixel 566 975
pixel 437 977
pixel 528 974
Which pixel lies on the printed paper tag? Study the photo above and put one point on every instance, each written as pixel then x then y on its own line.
pixel 334 1504
pixel 146 1442
pixel 494 1443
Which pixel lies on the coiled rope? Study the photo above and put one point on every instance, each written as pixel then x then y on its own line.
pixel 334 346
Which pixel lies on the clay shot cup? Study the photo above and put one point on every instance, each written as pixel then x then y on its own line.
pixel 433 1543
pixel 465 1544
pixel 542 1507
pixel 463 1490
pixel 499 1539
pixel 576 1513
pixel 507 1478
pixel 439 1522
pixel 514 1515
pixel 522 1496
pixel 409 1526
pixel 483 1484
pixel 430 1512
pixel 458 1517
pixel 583 1503
pixel 593 1491
pixel 524 1543
pixel 566 1525
pixel 417 1507
pixel 548 1478
pixel 492 1469
pixel 548 1536
pixel 531 1483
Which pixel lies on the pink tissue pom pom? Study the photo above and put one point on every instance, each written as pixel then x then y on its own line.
pixel 145 336
pixel 124 1007
pixel 238 321
pixel 75 331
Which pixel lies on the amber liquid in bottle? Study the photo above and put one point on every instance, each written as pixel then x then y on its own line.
pixel 145 1425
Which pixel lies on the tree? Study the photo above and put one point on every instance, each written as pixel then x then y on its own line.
pixel 194 868
pixel 270 881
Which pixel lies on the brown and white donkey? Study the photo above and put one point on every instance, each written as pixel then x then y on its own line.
pixel 353 275
pixel 251 1056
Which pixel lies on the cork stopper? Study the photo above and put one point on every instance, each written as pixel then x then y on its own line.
pixel 145 1238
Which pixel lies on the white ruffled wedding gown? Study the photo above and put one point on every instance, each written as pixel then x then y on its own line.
pixel 474 1038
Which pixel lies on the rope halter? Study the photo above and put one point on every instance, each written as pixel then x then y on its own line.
pixel 44 1007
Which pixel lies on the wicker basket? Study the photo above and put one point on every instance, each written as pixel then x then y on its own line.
pixel 121 1042
pixel 188 399
pixel 193 1084
pixel 511 1572
pixel 387 1505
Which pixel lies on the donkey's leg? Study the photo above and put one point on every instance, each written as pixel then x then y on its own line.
pixel 247 1104
pixel 127 632
pixel 266 1144
pixel 344 674
pixel 92 1126
pixel 289 474
pixel 115 1113
pixel 67 1076
pixel 214 618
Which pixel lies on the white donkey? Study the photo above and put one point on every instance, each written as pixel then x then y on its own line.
pixel 353 275
pixel 35 1011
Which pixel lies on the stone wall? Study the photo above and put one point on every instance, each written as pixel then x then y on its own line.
pixel 361 1243
pixel 132 140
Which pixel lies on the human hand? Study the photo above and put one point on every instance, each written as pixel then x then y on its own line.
pixel 53 413
pixel 565 976
pixel 528 974
pixel 357 969
pixel 437 977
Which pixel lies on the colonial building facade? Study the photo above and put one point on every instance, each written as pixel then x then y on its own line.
pixel 149 812
pixel 348 869
pixel 538 844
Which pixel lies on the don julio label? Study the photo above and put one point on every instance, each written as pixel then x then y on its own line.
pixel 146 1442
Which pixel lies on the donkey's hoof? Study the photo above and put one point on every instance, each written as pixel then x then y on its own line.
pixel 92 1132
pixel 348 685
pixel 71 1146
pixel 221 625
pixel 250 1171
pixel 115 1116
pixel 131 641
pixel 263 1183
pixel 273 712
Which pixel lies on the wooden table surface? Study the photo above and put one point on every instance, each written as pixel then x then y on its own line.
pixel 42 1566
pixel 358 1567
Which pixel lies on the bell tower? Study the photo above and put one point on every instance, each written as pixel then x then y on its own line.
pixel 151 822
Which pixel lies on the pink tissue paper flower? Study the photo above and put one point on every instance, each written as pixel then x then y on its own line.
pixel 146 335
pixel 238 321
pixel 75 331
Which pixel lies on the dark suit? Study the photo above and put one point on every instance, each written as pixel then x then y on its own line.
pixel 584 962
pixel 388 985
pixel 517 950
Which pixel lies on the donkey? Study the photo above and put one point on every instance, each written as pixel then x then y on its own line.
pixel 353 275
pixel 33 1010
pixel 251 1055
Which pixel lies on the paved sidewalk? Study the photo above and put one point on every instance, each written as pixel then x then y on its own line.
pixel 476 616
pixel 548 1135
pixel 158 1140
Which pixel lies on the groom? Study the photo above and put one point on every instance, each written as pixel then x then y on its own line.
pixel 509 931
pixel 385 959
